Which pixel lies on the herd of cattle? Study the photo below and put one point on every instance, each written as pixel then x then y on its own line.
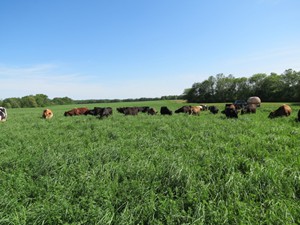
pixel 231 111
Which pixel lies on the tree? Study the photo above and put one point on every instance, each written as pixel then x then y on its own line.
pixel 12 103
pixel 42 100
pixel 291 80
pixel 255 84
pixel 29 101
pixel 225 88
pixel 242 88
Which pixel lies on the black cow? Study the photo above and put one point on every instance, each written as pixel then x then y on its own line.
pixel 165 111
pixel 184 109
pixel 128 110
pixel 213 109
pixel 100 111
pixel 144 109
pixel 121 109
pixel 107 111
pixel 230 111
pixel 299 115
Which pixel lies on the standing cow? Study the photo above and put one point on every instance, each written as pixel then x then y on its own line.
pixel 3 114
pixel 47 114
pixel 299 115
pixel 284 110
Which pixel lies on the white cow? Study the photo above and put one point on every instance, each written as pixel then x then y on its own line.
pixel 3 114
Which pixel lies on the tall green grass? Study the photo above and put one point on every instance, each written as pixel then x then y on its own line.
pixel 146 169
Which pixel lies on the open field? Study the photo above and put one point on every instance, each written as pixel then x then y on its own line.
pixel 146 169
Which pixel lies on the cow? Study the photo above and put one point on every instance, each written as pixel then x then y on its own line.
pixel 96 111
pixel 100 111
pixel 152 111
pixel 213 109
pixel 250 108
pixel 76 112
pixel 184 109
pixel 47 114
pixel 121 109
pixel 144 109
pixel 299 115
pixel 284 110
pixel 133 111
pixel 204 107
pixel 230 111
pixel 107 111
pixel 165 111
pixel 195 110
pixel 3 114
pixel 128 110
pixel 254 100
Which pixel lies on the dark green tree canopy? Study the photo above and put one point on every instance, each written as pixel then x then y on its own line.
pixel 270 88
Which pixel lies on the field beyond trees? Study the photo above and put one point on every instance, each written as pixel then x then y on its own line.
pixel 144 169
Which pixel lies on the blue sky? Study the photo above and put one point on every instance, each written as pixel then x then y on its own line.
pixel 100 49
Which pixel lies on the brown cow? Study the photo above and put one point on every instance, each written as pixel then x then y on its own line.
pixel 195 110
pixel 184 109
pixel 152 111
pixel 76 112
pixel 250 108
pixel 47 114
pixel 283 110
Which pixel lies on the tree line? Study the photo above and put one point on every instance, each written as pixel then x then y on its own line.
pixel 32 101
pixel 274 87
pixel 42 100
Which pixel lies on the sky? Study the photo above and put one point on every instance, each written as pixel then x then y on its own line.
pixel 119 49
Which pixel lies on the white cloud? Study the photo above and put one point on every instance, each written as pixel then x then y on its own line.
pixel 50 80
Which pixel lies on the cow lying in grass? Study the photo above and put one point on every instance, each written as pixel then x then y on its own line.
pixel 76 112
pixel 284 110
pixel 192 110
pixel 47 114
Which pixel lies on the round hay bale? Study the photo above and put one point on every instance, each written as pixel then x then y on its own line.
pixel 254 100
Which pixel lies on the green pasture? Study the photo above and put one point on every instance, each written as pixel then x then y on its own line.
pixel 144 169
